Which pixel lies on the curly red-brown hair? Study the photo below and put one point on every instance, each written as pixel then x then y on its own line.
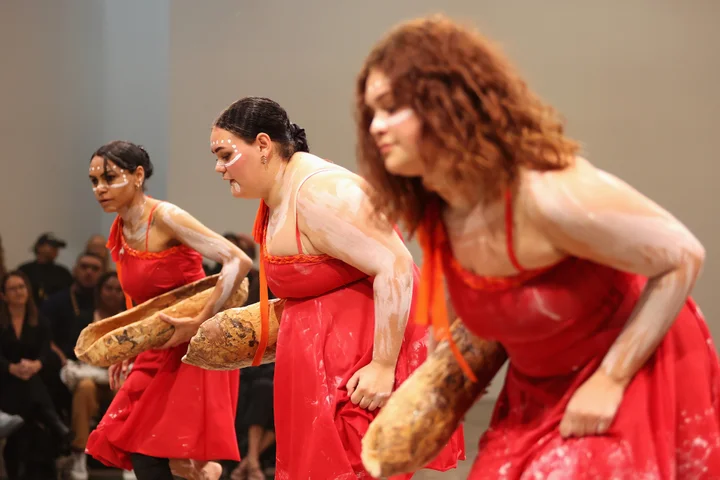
pixel 480 122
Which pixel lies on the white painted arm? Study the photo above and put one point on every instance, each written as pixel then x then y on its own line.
pixel 591 214
pixel 189 231
pixel 335 215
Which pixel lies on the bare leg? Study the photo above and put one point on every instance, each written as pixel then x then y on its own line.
pixel 258 441
pixel 194 470
pixel 267 440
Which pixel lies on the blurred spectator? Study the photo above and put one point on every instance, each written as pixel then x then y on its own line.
pixel 96 244
pixel 9 424
pixel 3 268
pixel 88 383
pixel 254 422
pixel 24 349
pixel 46 277
pixel 68 312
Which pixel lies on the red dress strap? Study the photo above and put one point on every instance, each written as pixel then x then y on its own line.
pixel 114 244
pixel 147 231
pixel 431 306
pixel 509 231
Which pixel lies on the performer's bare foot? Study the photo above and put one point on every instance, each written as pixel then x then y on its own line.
pixel 248 469
pixel 193 470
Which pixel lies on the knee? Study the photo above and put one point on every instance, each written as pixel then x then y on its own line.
pixel 86 388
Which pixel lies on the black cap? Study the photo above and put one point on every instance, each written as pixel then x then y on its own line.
pixel 50 239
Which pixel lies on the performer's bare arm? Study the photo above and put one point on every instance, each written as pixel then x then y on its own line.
pixel 336 217
pixel 183 227
pixel 591 214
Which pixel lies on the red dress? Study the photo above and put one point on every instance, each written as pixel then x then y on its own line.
pixel 327 334
pixel 165 408
pixel 557 324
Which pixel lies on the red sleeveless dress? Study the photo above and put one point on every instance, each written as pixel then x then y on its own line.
pixel 326 334
pixel 557 324
pixel 165 408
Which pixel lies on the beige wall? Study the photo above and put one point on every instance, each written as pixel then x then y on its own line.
pixel 75 74
pixel 636 81
pixel 50 98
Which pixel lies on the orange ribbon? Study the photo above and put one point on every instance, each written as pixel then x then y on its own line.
pixel 431 306
pixel 259 237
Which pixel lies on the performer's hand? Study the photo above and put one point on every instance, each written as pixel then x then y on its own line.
pixel 117 373
pixel 370 387
pixel 592 407
pixel 185 329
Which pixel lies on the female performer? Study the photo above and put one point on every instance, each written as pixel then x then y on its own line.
pixel 344 343
pixel 165 409
pixel 583 280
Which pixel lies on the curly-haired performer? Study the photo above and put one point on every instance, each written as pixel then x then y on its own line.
pixel 583 280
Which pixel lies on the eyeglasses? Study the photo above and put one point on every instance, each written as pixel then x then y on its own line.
pixel 89 266
pixel 16 288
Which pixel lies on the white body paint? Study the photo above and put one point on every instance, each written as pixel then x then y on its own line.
pixel 597 216
pixel 329 213
pixel 134 227
pixel 214 248
pixel 228 275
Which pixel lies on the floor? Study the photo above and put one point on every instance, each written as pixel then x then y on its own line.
pixel 476 422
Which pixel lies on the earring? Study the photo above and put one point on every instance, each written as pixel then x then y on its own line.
pixel 137 185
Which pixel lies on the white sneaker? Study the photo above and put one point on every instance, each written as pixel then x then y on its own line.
pixel 129 475
pixel 79 466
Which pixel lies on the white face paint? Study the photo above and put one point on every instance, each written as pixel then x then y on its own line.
pixel 112 168
pixel 383 122
pixel 234 159
pixel 122 184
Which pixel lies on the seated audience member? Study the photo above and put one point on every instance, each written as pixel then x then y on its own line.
pixel 90 384
pixel 3 268
pixel 254 422
pixel 24 349
pixel 96 245
pixel 46 276
pixel 68 312
pixel 9 424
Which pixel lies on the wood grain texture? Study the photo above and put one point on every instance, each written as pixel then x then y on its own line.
pixel 229 340
pixel 124 336
pixel 423 413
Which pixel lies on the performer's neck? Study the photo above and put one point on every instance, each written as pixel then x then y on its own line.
pixel 132 215
pixel 277 185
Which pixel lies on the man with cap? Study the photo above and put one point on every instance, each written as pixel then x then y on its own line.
pixel 46 276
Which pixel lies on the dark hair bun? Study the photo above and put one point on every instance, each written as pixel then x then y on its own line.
pixel 299 138
pixel 145 162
